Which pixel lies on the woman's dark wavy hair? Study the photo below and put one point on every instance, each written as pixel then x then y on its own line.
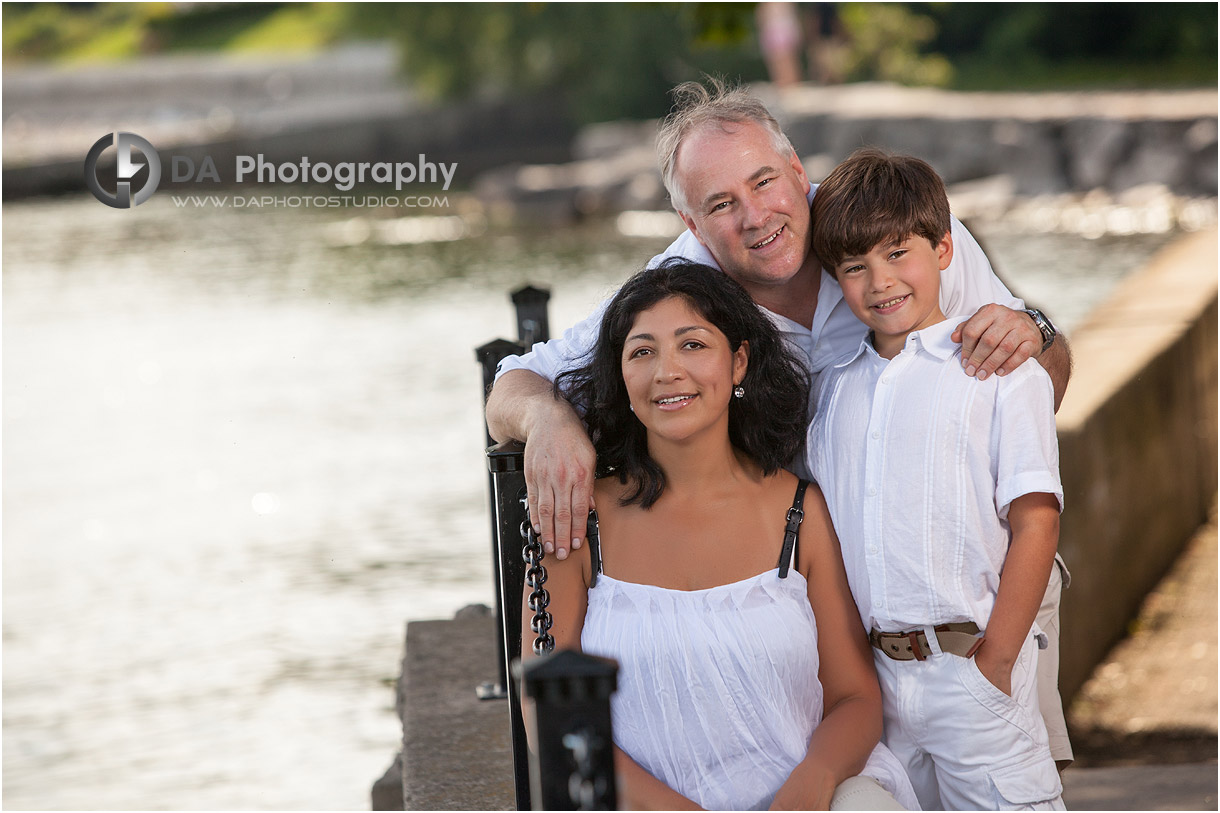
pixel 768 423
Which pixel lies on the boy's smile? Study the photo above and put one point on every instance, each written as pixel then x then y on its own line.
pixel 895 288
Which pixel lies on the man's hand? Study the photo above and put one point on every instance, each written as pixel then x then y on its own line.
pixel 559 465
pixel 999 340
pixel 559 458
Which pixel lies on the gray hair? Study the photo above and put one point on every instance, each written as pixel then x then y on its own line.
pixel 697 106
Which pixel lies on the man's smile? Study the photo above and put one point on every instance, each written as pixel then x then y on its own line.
pixel 770 239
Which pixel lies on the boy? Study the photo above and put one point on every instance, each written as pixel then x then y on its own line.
pixel 945 494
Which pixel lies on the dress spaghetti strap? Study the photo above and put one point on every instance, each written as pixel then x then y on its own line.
pixel 595 547
pixel 796 515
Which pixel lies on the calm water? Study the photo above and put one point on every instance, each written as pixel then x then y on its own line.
pixel 239 454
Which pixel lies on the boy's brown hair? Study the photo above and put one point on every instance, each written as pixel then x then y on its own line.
pixel 875 197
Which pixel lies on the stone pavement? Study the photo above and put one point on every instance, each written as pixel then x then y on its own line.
pixel 1144 726
pixel 1141 787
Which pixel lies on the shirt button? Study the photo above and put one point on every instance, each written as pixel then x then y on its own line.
pixel 872 548
pixel 877 603
pixel 872 491
pixel 876 434
pixel 885 379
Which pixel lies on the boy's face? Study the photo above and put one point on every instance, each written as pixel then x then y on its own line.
pixel 895 288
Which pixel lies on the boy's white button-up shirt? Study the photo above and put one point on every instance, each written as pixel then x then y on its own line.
pixel 919 464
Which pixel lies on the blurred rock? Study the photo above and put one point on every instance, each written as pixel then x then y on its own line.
pixel 1045 143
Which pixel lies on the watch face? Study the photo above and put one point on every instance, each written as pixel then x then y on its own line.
pixel 1044 326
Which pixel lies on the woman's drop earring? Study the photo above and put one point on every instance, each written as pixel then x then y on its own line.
pixel 739 391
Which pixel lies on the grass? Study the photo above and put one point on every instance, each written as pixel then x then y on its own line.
pixel 109 32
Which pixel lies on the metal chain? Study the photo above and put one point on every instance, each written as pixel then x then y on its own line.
pixel 539 598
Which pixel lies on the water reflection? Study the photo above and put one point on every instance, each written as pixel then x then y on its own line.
pixel 241 451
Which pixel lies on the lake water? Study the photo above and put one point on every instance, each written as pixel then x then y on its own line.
pixel 241 449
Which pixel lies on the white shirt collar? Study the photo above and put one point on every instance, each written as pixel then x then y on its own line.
pixel 935 339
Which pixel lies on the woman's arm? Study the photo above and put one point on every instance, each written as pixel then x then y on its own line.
pixel 567 584
pixel 851 723
pixel 640 790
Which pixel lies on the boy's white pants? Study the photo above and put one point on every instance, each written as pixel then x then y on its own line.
pixel 964 743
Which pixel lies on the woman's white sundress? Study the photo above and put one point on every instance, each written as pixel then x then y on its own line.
pixel 718 689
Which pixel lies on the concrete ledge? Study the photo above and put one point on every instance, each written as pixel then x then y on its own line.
pixel 457 749
pixel 1137 444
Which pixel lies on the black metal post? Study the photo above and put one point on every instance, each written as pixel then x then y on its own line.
pixel 507 464
pixel 506 477
pixel 533 324
pixel 489 355
pixel 574 765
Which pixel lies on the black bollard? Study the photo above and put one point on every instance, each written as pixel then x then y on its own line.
pixel 506 462
pixel 572 762
pixel 533 325
pixel 488 356
pixel 506 479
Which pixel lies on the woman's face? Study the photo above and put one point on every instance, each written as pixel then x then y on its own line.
pixel 680 371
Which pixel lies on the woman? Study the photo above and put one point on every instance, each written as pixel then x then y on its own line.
pixel 705 583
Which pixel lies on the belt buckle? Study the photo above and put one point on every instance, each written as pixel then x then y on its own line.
pixel 902 646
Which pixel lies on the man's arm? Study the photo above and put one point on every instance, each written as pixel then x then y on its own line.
pixel 996 338
pixel 559 458
pixel 999 340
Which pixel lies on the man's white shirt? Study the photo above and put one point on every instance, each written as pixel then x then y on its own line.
pixel 919 464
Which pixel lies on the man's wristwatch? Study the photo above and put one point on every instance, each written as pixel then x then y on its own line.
pixel 1044 327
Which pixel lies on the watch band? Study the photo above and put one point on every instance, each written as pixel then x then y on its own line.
pixel 1045 327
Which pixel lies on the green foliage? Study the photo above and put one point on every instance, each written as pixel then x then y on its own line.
pixel 108 31
pixel 616 60
pixel 886 42
pixel 605 60
pixel 36 31
pixel 1037 45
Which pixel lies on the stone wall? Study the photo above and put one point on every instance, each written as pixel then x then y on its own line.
pixel 1137 444
pixel 1045 143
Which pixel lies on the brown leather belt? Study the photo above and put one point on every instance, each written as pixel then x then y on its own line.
pixel 956 639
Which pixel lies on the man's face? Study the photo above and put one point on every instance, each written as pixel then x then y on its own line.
pixel 746 202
